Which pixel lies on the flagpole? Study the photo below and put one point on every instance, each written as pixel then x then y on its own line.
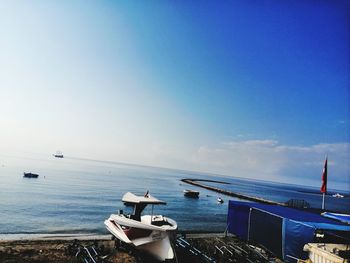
pixel 324 182
pixel 323 201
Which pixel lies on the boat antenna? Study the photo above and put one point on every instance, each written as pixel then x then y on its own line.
pixel 147 194
pixel 152 213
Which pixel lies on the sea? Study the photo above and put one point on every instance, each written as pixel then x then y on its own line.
pixel 74 195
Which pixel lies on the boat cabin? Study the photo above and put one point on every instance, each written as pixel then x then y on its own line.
pixel 139 203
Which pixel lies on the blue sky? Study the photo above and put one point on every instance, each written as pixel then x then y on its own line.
pixel 256 89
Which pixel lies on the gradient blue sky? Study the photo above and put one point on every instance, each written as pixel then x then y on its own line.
pixel 256 89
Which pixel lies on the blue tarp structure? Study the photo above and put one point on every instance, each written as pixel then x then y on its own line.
pixel 282 230
pixel 345 218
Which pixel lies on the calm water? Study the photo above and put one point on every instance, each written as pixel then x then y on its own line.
pixel 76 196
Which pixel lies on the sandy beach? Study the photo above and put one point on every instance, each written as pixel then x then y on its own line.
pixel 59 249
pixel 56 251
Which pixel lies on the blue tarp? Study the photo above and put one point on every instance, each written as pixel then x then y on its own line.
pixel 345 218
pixel 282 230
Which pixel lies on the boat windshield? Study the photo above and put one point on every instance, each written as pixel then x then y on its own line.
pixel 140 202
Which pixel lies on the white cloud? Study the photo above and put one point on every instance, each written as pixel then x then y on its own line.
pixel 269 160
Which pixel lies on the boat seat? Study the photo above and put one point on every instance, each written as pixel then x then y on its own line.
pixel 135 217
pixel 162 222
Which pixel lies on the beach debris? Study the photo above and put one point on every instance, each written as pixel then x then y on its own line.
pixel 186 250
pixel 324 252
pixel 219 250
pixel 87 254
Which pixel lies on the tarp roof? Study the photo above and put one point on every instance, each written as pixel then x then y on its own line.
pixel 290 228
pixel 137 199
pixel 345 218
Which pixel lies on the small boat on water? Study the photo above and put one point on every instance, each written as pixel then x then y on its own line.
pixel 191 193
pixel 58 154
pixel 337 195
pixel 30 175
pixel 151 233
pixel 220 200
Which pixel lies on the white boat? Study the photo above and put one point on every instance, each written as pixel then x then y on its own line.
pixel 220 200
pixel 337 195
pixel 151 233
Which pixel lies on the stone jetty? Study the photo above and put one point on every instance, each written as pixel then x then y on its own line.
pixel 200 183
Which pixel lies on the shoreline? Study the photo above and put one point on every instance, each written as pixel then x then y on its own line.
pixel 48 236
pixel 84 236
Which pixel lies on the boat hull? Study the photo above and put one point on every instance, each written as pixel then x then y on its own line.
pixel 154 239
pixel 161 249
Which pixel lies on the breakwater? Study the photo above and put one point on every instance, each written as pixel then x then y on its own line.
pixel 199 183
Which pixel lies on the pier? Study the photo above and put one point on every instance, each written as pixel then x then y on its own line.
pixel 199 183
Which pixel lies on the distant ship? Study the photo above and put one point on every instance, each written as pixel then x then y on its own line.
pixel 30 175
pixel 58 154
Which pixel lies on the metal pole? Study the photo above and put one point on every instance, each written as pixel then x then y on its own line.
pixel 323 201
pixel 152 214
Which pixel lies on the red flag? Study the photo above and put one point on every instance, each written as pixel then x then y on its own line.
pixel 324 178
